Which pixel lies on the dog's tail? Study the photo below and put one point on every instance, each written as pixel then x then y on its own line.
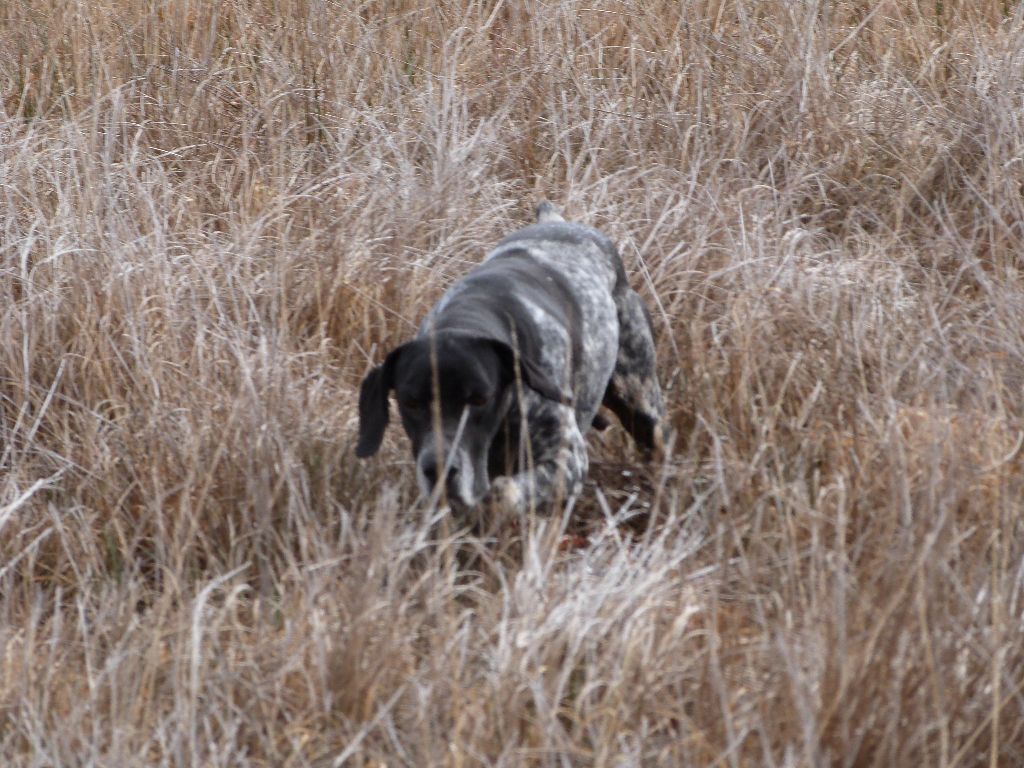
pixel 546 212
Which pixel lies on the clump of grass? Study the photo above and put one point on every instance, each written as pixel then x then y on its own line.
pixel 216 216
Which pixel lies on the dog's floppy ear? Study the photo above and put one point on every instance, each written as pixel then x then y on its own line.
pixel 532 374
pixel 373 405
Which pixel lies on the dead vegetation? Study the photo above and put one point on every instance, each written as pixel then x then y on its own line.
pixel 217 215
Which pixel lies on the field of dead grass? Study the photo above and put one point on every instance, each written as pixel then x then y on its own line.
pixel 215 216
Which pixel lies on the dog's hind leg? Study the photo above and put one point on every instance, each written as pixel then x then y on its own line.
pixel 633 392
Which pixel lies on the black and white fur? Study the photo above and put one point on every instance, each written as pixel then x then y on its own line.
pixel 510 367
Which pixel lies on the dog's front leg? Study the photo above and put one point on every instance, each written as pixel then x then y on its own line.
pixel 553 461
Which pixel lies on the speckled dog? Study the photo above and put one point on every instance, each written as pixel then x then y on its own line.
pixel 509 369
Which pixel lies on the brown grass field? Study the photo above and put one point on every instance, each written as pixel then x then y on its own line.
pixel 217 215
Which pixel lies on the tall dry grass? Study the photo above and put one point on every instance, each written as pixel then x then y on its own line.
pixel 215 216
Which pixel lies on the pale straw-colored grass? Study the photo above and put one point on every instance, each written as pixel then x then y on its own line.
pixel 217 215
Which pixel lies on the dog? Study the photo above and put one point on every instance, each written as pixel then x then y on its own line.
pixel 510 367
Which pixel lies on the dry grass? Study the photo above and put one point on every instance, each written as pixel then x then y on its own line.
pixel 216 215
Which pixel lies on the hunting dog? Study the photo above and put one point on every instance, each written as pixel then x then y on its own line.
pixel 510 367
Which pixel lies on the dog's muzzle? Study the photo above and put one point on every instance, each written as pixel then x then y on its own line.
pixel 455 472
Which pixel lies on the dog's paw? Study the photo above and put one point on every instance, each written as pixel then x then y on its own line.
pixel 503 499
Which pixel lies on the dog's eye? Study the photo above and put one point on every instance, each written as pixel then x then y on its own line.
pixel 477 400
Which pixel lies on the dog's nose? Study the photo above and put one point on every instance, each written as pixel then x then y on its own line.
pixel 430 470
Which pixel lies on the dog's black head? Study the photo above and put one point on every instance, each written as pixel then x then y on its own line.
pixel 470 383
